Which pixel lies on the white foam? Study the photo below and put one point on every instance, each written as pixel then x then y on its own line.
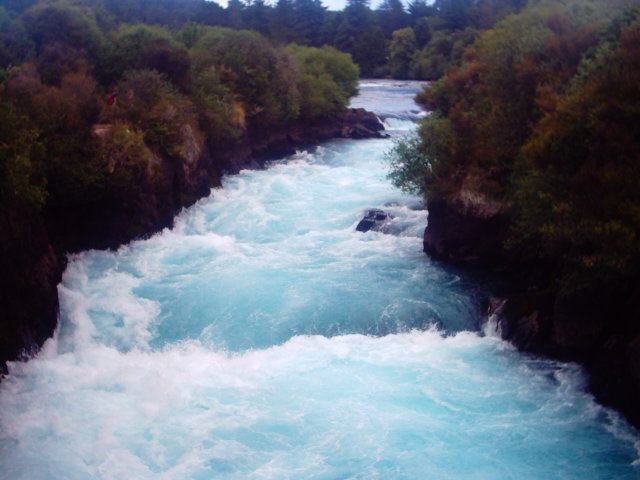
pixel 312 404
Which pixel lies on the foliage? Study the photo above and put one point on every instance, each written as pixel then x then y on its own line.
pixel 419 164
pixel 152 105
pixel 125 157
pixel 260 75
pixel 328 79
pixel 578 180
pixel 403 47
pixel 442 51
pixel 63 22
pixel 544 110
pixel 21 179
pixel 145 47
pixel 221 116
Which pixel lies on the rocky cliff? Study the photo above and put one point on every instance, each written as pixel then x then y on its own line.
pixel 33 246
pixel 597 326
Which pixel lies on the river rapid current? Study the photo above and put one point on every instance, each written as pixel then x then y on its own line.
pixel 263 337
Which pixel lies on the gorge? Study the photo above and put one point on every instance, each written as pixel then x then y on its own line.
pixel 264 337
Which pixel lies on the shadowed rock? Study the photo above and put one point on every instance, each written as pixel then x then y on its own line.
pixel 373 220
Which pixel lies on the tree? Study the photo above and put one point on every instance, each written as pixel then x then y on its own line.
pixel 259 74
pixel 309 19
pixel 403 47
pixel 328 78
pixel 62 22
pixel 256 16
pixel 358 35
pixel 391 16
pixel 283 20
pixel 455 13
pixel 422 31
pixel 144 47
pixel 235 13
pixel 420 9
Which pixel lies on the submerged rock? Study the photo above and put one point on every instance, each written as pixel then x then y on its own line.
pixel 375 219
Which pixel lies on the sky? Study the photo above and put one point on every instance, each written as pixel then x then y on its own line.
pixel 331 4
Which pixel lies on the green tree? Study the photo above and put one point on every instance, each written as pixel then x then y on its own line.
pixel 577 182
pixel 22 178
pixel 153 106
pixel 63 22
pixel 401 52
pixel 256 16
pixel 145 47
pixel 260 75
pixel 391 16
pixel 422 31
pixel 328 79
pixel 283 20
pixel 455 13
pixel 420 9
pixel 358 35
pixel 235 14
pixel 309 20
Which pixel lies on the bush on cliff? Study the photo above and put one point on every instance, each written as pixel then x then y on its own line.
pixel 153 106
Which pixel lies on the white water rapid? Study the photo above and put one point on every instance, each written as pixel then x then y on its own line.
pixel 265 338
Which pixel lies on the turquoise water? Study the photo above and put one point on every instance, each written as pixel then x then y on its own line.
pixel 264 338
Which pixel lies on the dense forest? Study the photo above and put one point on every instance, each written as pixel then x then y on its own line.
pixel 86 102
pixel 418 40
pixel 543 116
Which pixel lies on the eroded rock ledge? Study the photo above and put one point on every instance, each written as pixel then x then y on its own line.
pixel 598 327
pixel 33 247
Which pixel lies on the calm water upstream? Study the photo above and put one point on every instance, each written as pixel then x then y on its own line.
pixel 264 338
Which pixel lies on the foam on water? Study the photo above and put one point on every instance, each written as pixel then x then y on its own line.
pixel 264 338
pixel 403 406
pixel 271 255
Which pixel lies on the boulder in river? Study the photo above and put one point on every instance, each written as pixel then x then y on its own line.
pixel 373 220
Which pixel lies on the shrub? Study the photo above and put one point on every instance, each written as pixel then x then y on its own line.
pixel 328 79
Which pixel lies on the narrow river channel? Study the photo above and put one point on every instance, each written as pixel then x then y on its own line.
pixel 263 337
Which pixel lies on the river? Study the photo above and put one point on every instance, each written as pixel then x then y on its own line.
pixel 263 337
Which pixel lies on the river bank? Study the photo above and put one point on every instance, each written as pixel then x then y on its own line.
pixel 35 245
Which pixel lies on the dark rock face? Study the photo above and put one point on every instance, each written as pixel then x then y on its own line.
pixel 599 332
pixel 33 246
pixel 597 326
pixel 31 271
pixel 373 220
pixel 464 236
